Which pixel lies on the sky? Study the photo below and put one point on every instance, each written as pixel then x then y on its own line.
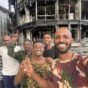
pixel 4 3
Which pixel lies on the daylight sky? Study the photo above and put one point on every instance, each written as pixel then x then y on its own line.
pixel 4 3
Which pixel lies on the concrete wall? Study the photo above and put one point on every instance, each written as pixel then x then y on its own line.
pixel 4 18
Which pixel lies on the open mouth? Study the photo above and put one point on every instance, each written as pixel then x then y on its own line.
pixel 62 46
pixel 38 52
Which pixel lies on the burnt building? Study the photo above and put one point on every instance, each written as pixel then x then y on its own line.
pixel 34 17
pixel 4 22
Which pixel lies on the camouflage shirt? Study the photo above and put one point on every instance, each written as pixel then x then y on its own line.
pixel 42 71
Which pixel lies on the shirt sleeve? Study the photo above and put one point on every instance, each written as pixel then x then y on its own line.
pixel 85 62
pixel 83 65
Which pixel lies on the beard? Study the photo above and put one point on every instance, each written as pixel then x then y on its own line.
pixel 63 50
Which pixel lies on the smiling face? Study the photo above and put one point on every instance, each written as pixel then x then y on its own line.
pixel 63 40
pixel 15 37
pixel 27 46
pixel 7 40
pixel 38 49
pixel 47 39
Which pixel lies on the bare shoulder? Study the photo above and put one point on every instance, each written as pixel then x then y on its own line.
pixel 49 60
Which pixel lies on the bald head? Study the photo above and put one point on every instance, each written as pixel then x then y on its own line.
pixel 63 39
pixel 63 30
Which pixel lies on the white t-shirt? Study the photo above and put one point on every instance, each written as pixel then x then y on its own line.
pixel 10 65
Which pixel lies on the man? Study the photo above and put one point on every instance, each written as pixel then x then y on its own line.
pixel 70 70
pixel 50 50
pixel 10 65
pixel 15 37
pixel 27 45
pixel 39 63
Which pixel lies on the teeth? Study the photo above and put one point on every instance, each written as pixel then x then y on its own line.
pixel 62 45
pixel 38 52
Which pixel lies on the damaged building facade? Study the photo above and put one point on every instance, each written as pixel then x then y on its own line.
pixel 4 22
pixel 35 17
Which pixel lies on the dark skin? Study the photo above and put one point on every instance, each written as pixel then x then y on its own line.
pixel 47 40
pixel 28 47
pixel 26 67
pixel 63 40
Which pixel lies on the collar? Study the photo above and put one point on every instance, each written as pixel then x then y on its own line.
pixel 68 60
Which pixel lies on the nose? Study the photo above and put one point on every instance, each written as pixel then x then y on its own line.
pixel 61 39
pixel 37 48
pixel 45 39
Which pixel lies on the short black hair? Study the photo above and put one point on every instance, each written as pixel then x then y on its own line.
pixel 49 33
pixel 15 31
pixel 27 40
pixel 38 41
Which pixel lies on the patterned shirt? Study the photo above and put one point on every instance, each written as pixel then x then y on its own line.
pixel 70 74
pixel 42 71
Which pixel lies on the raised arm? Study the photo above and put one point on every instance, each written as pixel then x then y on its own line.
pixel 35 76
